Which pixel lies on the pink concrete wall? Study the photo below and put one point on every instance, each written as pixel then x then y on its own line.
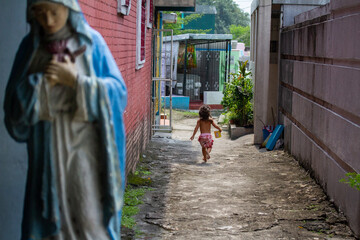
pixel 320 98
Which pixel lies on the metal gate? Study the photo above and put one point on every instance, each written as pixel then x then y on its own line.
pixel 210 71
pixel 162 84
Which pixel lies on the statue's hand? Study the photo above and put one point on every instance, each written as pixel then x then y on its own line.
pixel 63 73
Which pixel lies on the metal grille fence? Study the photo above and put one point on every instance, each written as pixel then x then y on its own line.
pixel 204 69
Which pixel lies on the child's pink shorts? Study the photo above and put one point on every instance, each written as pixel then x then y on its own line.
pixel 206 140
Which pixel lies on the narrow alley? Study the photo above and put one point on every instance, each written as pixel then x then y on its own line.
pixel 241 193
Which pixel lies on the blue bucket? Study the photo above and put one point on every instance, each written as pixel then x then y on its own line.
pixel 267 130
pixel 265 134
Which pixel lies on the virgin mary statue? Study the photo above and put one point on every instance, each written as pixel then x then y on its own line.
pixel 65 99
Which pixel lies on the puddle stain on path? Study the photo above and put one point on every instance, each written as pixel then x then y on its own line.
pixel 241 193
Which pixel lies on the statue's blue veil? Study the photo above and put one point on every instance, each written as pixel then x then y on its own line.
pixel 76 18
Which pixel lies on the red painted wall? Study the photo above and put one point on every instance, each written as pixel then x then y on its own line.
pixel 119 33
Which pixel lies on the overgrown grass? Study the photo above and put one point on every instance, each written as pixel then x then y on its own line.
pixel 132 199
pixel 138 185
pixel 187 114
pixel 313 207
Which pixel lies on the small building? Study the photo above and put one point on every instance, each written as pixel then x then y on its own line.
pixel 238 55
pixel 202 74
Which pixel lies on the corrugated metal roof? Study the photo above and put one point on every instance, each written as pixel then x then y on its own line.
pixel 199 37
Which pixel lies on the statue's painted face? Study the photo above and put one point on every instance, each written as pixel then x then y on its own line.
pixel 51 16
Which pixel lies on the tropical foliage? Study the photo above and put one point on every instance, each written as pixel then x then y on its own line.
pixel 241 33
pixel 228 13
pixel 238 95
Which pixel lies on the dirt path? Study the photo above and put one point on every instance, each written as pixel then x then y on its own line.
pixel 241 193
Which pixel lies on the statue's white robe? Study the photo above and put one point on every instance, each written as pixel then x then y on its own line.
pixel 76 153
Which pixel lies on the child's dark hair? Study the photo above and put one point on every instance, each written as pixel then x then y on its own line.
pixel 204 112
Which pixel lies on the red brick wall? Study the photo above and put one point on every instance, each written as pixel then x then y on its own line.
pixel 119 33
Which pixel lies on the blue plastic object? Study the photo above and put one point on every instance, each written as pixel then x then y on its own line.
pixel 274 137
pixel 265 134
pixel 178 102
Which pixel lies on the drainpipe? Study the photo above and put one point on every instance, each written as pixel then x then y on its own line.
pixel 207 67
pixel 185 70
pixel 280 119
pixel 227 60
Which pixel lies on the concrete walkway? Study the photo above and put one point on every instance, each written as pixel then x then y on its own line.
pixel 241 193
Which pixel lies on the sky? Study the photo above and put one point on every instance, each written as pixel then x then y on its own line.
pixel 245 5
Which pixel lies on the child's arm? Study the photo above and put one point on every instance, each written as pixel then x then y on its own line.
pixel 195 130
pixel 216 126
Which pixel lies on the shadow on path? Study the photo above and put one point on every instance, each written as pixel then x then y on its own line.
pixel 242 193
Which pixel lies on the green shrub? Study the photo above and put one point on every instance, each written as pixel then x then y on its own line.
pixel 238 95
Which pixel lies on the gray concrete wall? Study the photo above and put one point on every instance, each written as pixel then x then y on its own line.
pixel 13 157
pixel 320 101
pixel 261 68
pixel 290 11
pixel 268 16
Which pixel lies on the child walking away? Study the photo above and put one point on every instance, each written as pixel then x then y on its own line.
pixel 205 138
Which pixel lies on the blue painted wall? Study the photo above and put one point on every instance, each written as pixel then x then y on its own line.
pixel 13 156
pixel 178 102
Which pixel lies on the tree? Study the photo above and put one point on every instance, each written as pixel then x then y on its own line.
pixel 240 33
pixel 177 27
pixel 228 13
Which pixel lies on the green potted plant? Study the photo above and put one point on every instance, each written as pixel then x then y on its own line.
pixel 238 95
